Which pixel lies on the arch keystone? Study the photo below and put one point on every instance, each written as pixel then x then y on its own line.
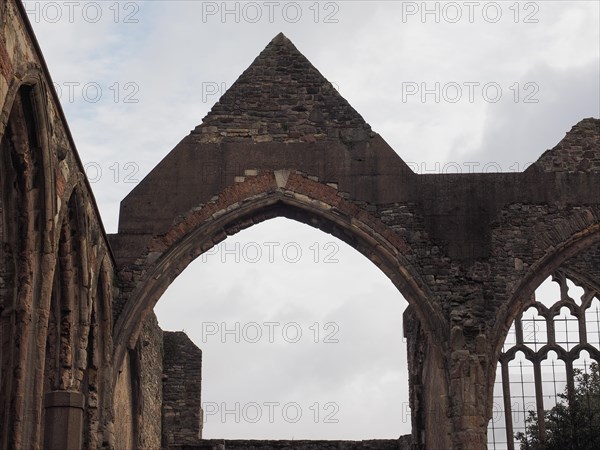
pixel 281 177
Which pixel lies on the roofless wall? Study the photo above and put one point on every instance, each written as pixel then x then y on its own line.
pixel 466 251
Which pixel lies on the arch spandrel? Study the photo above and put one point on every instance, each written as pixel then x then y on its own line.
pixel 193 173
pixel 281 113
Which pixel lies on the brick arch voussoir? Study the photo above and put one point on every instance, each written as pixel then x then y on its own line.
pixel 254 200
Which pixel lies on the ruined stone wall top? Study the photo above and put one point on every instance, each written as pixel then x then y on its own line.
pixel 282 97
pixel 579 151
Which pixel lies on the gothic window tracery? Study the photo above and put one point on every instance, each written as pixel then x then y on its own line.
pixel 557 334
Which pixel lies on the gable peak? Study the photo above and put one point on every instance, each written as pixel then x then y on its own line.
pixel 282 97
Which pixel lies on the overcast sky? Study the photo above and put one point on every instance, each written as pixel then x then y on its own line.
pixel 485 87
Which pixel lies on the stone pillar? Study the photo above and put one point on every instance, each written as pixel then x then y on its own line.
pixel 63 423
pixel 431 425
pixel 449 388
pixel 469 399
pixel 182 382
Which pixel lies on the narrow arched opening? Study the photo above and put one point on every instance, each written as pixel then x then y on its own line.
pixel 65 370
pixel 22 216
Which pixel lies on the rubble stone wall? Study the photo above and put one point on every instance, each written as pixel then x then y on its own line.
pixel 182 382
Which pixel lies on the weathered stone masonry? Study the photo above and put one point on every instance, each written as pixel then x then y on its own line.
pixel 56 267
pixel 181 407
pixel 83 363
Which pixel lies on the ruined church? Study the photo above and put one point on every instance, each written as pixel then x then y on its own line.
pixel 83 363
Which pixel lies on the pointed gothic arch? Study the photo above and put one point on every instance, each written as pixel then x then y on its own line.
pixel 24 213
pixel 585 237
pixel 71 312
pixel 302 199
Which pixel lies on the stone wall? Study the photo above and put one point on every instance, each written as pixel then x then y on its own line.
pixel 585 267
pixel 403 443
pixel 182 382
pixel 577 152
pixel 300 106
pixel 53 248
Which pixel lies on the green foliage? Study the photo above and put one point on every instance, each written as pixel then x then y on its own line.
pixel 571 425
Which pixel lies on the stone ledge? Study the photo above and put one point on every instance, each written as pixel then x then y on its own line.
pixel 403 443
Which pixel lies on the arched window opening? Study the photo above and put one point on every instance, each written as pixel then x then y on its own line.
pixel 583 362
pixel 301 337
pixel 21 219
pixel 546 371
pixel 67 336
pixel 68 307
pixel 522 390
pixel 549 292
